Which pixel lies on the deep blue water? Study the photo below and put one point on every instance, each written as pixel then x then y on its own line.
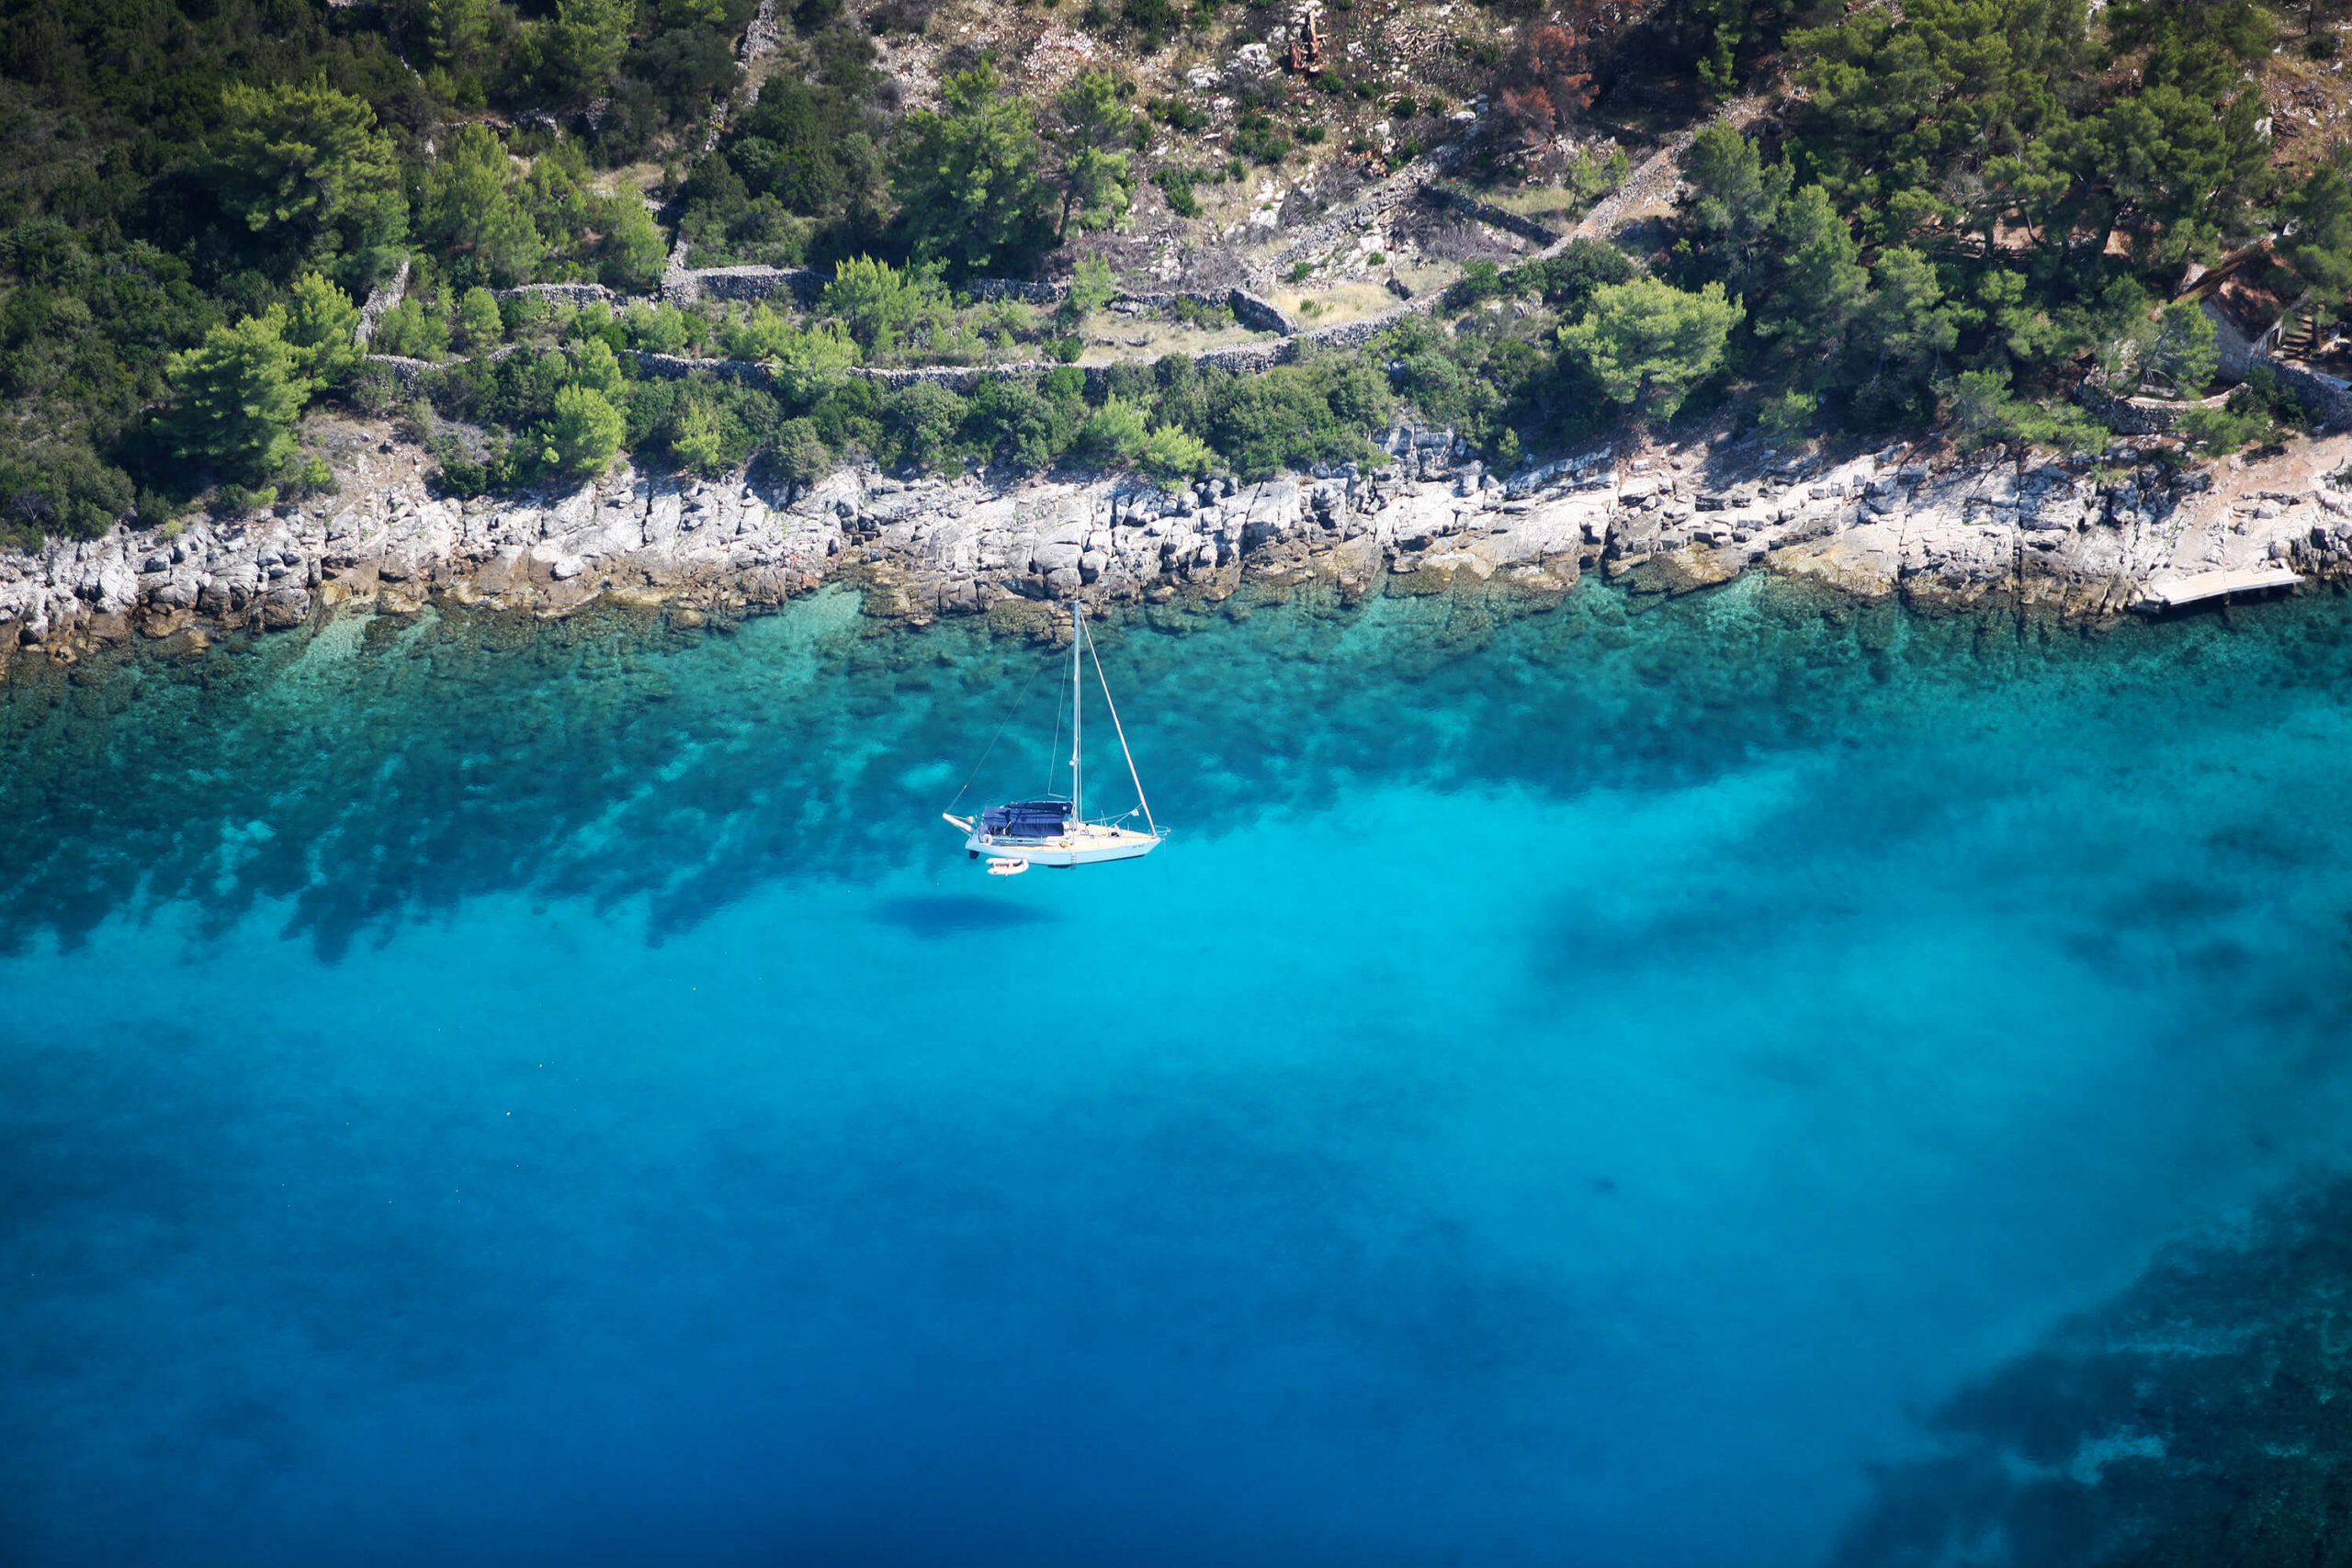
pixel 1574 1088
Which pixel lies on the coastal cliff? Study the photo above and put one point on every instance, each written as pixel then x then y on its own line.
pixel 1940 531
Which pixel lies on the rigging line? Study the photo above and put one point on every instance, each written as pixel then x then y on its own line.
pixel 1122 732
pixel 1053 752
pixel 997 736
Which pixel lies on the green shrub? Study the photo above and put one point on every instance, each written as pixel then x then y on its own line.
pixel 584 433
pixel 461 474
pixel 594 365
pixel 1982 410
pixel 1260 139
pixel 412 331
pixel 1205 318
pixel 1112 433
pixel 237 497
pixel 849 416
pixel 1480 281
pixel 660 327
pixel 695 440
pixel 1150 21
pixel 921 421
pixel 2219 431
pixel 1028 425
pixel 1176 183
pixel 877 303
pixel 803 365
pixel 1091 287
pixel 479 325
pixel 2264 396
pixel 374 389
pixel 799 453
pixel 1178 115
pixel 1172 455
pixel 1788 416
pixel 319 326
pixel 1291 416
pixel 68 493
pixel 1568 279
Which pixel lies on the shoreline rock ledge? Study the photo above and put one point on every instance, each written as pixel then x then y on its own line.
pixel 1942 533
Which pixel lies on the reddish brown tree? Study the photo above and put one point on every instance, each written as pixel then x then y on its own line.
pixel 1542 82
pixel 1527 114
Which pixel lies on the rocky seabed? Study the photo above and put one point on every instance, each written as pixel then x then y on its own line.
pixel 2077 539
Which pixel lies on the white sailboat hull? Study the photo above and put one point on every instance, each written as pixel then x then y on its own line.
pixel 1075 840
pixel 1088 844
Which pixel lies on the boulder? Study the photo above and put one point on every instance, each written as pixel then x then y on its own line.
pixel 284 607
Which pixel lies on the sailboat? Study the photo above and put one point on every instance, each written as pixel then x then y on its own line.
pixel 1054 831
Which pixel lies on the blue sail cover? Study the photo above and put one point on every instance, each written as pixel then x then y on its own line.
pixel 1026 819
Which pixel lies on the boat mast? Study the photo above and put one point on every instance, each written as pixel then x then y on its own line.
pixel 1121 731
pixel 1076 715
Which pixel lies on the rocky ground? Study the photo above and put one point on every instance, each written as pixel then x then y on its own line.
pixel 1940 531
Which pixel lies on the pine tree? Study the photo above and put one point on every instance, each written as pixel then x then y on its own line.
pixel 236 397
pixel 2318 242
pixel 585 434
pixel 1096 128
pixel 321 325
pixel 967 179
pixel 478 325
pixel 1649 343
pixel 1907 322
pixel 306 170
pixel 2183 353
pixel 582 48
pixel 1822 286
pixel 473 213
pixel 1733 198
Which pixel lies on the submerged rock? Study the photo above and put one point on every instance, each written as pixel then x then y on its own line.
pixel 2203 1416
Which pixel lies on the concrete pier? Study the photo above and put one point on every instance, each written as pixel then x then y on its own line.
pixel 2173 593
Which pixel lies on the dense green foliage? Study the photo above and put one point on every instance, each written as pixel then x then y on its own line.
pixel 1976 197
pixel 1971 201
pixel 199 192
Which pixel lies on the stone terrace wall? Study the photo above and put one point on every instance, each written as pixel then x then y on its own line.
pixel 991 289
pixel 2329 401
pixel 803 283
pixel 2328 398
pixel 566 294
pixel 381 299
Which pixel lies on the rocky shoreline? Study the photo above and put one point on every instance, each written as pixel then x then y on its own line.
pixel 1939 532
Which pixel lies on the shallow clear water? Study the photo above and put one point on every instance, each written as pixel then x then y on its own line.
pixel 1575 1085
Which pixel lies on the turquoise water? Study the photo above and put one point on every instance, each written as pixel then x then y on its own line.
pixel 1576 1085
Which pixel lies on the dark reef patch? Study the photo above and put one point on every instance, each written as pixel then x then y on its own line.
pixel 366 777
pixel 2201 1418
